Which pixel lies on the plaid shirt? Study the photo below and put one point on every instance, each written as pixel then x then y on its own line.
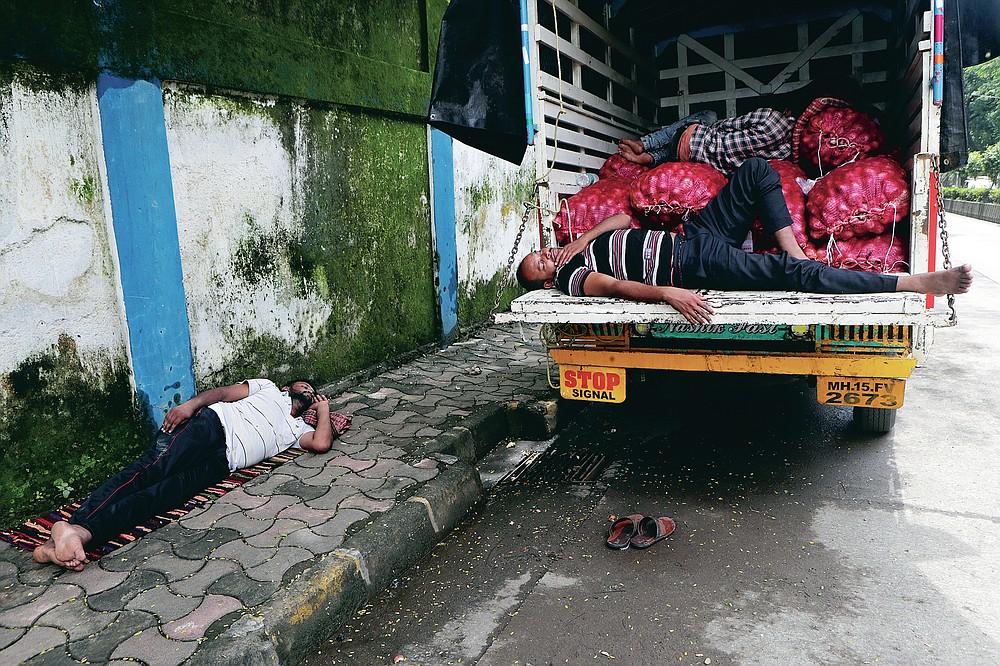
pixel 728 143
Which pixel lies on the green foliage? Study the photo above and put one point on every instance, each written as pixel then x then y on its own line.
pixel 981 194
pixel 982 100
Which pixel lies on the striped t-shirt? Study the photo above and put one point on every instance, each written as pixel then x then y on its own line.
pixel 639 255
pixel 260 425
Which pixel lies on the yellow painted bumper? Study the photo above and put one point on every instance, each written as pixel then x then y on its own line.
pixel 827 365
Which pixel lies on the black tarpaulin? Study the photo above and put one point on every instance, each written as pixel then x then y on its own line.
pixel 478 93
pixel 971 37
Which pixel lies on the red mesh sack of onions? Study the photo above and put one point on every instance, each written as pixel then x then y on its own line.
pixel 830 133
pixel 616 165
pixel 591 206
pixel 666 194
pixel 884 253
pixel 763 241
pixel 863 198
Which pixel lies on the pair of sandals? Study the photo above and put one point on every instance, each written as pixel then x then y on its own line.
pixel 639 531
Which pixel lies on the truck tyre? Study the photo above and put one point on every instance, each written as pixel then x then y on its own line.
pixel 874 420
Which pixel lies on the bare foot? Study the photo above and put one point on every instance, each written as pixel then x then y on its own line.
pixel 955 280
pixel 69 541
pixel 46 553
pixel 631 144
pixel 632 156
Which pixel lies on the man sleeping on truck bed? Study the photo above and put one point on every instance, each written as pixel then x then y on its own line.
pixel 661 267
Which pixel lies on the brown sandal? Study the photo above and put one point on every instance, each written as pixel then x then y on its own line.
pixel 651 530
pixel 622 530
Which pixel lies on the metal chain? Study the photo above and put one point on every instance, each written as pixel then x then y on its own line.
pixel 943 232
pixel 528 207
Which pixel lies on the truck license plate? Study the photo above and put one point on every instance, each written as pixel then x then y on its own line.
pixel 860 391
pixel 586 382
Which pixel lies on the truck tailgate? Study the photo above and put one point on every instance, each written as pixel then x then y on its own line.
pixel 548 306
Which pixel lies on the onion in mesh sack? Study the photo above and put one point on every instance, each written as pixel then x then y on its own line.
pixel 763 241
pixel 616 165
pixel 863 198
pixel 884 253
pixel 591 206
pixel 830 133
pixel 667 194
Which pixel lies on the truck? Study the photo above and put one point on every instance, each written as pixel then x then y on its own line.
pixel 603 70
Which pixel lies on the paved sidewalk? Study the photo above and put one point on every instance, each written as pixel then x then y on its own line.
pixel 267 571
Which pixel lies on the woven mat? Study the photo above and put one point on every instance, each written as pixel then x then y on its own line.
pixel 33 533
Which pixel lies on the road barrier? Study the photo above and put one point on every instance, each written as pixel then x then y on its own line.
pixel 977 209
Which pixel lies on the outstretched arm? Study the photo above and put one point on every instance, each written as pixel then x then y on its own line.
pixel 561 255
pixel 694 308
pixel 321 439
pixel 186 410
pixel 785 238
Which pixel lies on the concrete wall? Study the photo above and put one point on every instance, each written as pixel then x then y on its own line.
pixel 288 229
pixel 977 209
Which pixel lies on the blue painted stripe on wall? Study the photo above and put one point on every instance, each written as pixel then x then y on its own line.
pixel 442 166
pixel 145 224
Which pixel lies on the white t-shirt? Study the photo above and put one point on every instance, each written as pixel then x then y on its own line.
pixel 260 425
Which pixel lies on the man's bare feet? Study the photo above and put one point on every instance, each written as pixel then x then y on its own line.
pixel 634 152
pixel 68 545
pixel 955 280
pixel 46 553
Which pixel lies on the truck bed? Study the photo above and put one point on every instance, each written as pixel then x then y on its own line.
pixel 548 306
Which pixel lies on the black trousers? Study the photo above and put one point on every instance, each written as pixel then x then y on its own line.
pixel 708 254
pixel 174 468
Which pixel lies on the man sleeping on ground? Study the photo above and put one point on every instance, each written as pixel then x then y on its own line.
pixel 201 442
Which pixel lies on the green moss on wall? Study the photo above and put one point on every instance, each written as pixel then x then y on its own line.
pixel 65 427
pixel 367 231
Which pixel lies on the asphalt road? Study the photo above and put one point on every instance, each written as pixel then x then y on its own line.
pixel 799 539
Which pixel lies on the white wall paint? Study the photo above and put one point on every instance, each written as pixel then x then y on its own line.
pixel 233 179
pixel 487 225
pixel 57 275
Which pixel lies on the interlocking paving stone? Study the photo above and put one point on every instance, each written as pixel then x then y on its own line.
pixel 247 526
pixel 427 431
pixel 267 484
pixel 40 575
pixel 274 505
pixel 243 553
pixel 355 482
pixel 77 619
pixel 54 657
pixel 201 546
pixel 382 468
pixel 17 594
pixel 390 488
pixel 359 501
pixel 249 591
pixel 306 514
pixel 196 585
pixel 339 524
pixel 35 640
pixel 93 579
pixel 281 528
pixel 241 499
pixel 208 517
pixel 400 417
pixel 417 473
pixel 117 597
pixel 325 477
pixel 332 498
pixel 163 603
pixel 314 543
pixel 25 615
pixel 153 649
pixel 193 625
pixel 97 649
pixel 171 566
pixel 9 636
pixel 351 463
pixel 274 569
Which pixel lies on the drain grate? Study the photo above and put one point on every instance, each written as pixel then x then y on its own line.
pixel 556 466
